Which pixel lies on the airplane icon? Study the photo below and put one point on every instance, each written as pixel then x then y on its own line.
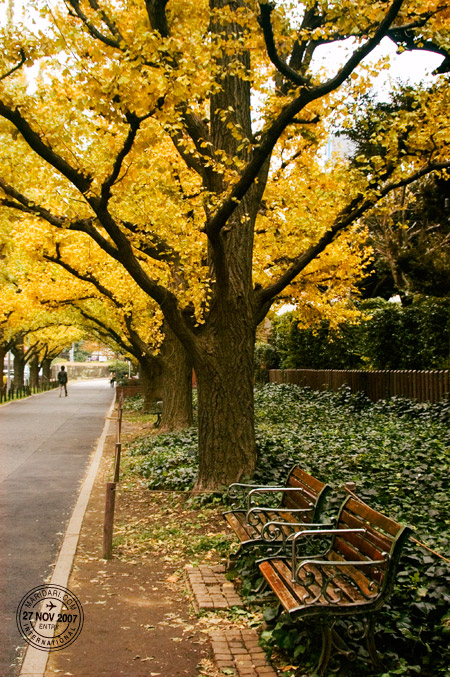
pixel 50 605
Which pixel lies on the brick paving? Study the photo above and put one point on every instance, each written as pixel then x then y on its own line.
pixel 236 650
pixel 210 588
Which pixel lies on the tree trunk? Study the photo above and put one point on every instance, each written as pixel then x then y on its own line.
pixel 3 352
pixel 46 369
pixel 176 384
pixel 225 405
pixel 34 372
pixel 223 348
pixel 19 365
pixel 150 371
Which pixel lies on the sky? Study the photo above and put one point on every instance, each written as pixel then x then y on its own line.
pixel 410 67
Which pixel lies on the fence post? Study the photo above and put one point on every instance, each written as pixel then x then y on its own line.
pixel 117 461
pixel 109 519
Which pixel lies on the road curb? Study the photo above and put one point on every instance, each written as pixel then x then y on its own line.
pixel 35 661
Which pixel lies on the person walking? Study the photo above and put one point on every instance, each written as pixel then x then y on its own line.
pixel 62 380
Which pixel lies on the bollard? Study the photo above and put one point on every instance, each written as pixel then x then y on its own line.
pixel 109 519
pixel 119 423
pixel 117 461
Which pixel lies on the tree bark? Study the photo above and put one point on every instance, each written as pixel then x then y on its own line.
pixel 176 384
pixel 3 352
pixel 150 373
pixel 225 403
pixel 46 369
pixel 19 365
pixel 34 372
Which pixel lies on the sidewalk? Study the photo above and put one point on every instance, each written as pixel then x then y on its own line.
pixel 140 607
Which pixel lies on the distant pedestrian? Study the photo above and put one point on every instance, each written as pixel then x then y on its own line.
pixel 62 380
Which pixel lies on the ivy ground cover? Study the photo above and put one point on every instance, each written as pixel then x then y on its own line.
pixel 397 452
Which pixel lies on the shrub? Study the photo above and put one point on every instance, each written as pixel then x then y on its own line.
pixel 392 336
pixel 397 453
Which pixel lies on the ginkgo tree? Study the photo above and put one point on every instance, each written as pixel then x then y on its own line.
pixel 63 280
pixel 34 335
pixel 161 129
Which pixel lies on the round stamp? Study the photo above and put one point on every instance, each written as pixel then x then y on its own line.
pixel 50 617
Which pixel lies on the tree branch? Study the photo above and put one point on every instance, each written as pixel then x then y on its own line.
pixel 84 277
pixel 140 347
pixel 75 5
pixel 158 249
pixel 215 224
pixel 134 123
pixel 349 215
pixel 16 67
pixel 266 10
pixel 77 178
pixel 156 11
pixel 360 54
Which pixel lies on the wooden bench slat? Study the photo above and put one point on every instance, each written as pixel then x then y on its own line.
pixel 308 480
pixel 299 499
pixel 241 530
pixel 363 581
pixel 283 593
pixel 315 589
pixel 375 518
pixel 364 545
pixel 378 540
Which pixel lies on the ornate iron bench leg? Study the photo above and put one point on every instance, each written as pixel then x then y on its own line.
pixel 262 587
pixel 370 643
pixel 327 646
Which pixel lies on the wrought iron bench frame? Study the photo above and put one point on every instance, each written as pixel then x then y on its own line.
pixel 352 576
pixel 270 528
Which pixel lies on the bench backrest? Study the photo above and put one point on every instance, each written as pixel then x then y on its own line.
pixel 382 536
pixel 311 495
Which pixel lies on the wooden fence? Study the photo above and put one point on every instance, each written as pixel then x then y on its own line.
pixel 423 386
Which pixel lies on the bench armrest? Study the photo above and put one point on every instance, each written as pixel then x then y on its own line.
pixel 255 514
pixel 308 533
pixel 274 529
pixel 239 491
pixel 269 490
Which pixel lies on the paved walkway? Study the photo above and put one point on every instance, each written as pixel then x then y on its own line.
pixel 236 651
pixel 39 467
pixel 45 444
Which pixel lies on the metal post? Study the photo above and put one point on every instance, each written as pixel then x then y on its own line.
pixel 109 519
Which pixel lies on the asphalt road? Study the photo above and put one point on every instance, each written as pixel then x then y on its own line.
pixel 45 446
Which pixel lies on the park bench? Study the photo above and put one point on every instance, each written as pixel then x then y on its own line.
pixel 269 527
pixel 352 576
pixel 156 410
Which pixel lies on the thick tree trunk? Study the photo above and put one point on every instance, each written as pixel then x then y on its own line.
pixel 3 352
pixel 176 384
pixel 46 369
pixel 150 373
pixel 19 366
pixel 34 372
pixel 225 406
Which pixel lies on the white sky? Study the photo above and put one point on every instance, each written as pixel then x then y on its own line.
pixel 412 67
